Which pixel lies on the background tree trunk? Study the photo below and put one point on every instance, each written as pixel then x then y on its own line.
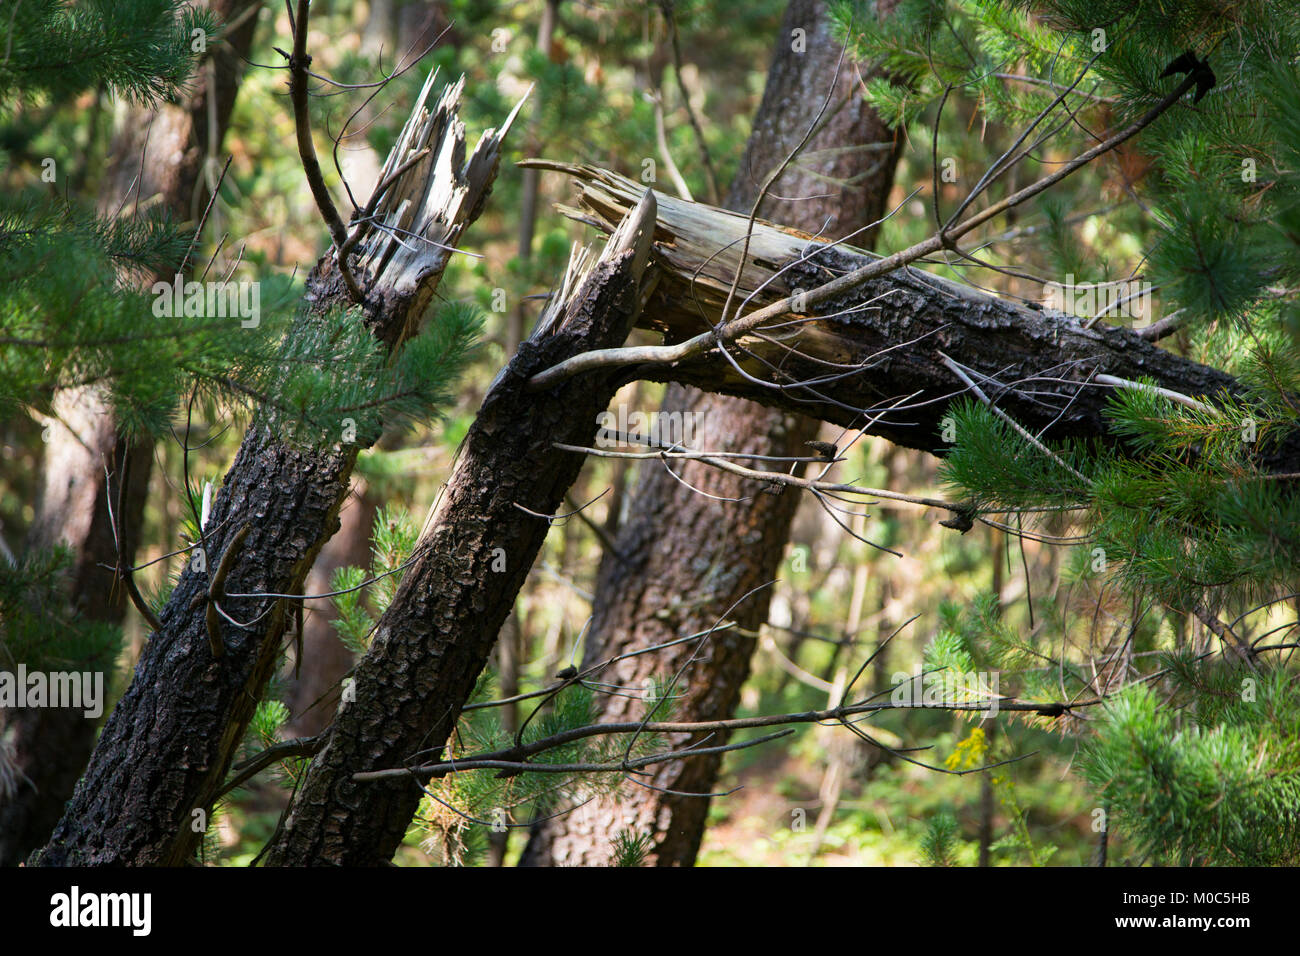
pixel 683 559
pixel 312 680
pixel 156 154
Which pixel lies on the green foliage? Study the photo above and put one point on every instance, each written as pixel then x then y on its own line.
pixel 73 305
pixel 1001 471
pixel 976 638
pixel 143 50
pixel 462 807
pixel 70 317
pixel 268 718
pixel 1185 515
pixel 66 319
pixel 38 626
pixel 939 845
pixel 394 544
pixel 353 622
pixel 631 849
pixel 1190 513
pixel 1217 783
pixel 924 47
pixel 394 539
pixel 338 374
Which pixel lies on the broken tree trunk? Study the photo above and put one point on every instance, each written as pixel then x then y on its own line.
pixel 874 360
pixel 165 750
pixel 477 547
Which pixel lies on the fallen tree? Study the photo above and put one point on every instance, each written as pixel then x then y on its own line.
pixel 873 356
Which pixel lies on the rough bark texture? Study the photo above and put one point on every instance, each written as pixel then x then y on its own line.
pixel 683 559
pixel 156 155
pixel 1040 366
pixel 168 744
pixel 476 550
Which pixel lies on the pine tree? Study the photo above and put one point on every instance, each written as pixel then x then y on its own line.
pixel 1194 753
pixel 68 313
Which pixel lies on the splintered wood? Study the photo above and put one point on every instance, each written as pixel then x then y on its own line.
pixel 427 193
pixel 699 247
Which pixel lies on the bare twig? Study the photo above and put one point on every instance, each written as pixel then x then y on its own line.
pixel 250 768
pixel 1020 429
pixel 710 174
pixel 515 758
pixel 299 61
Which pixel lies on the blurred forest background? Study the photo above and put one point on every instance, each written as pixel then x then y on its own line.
pixel 671 88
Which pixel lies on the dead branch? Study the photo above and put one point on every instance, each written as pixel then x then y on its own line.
pixel 872 353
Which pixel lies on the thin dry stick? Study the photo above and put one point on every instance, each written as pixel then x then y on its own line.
pixel 710 173
pixel 1168 393
pixel 515 757
pixel 774 476
pixel 1225 633
pixel 298 77
pixel 661 138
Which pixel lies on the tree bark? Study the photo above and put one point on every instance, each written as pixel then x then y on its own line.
pixel 684 560
pixel 477 548
pixel 166 748
pixel 156 152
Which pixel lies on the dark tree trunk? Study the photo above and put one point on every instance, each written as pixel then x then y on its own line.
pixel 86 458
pixel 477 548
pixel 167 746
pixel 684 559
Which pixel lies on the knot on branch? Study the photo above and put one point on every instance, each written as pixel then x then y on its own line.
pixel 962 519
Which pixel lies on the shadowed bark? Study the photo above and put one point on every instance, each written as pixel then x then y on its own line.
pixel 684 559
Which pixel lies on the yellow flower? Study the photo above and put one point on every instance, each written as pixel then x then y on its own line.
pixel 969 753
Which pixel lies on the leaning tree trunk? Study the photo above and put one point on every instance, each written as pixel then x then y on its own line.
pixel 156 155
pixel 477 547
pixel 694 548
pixel 166 748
